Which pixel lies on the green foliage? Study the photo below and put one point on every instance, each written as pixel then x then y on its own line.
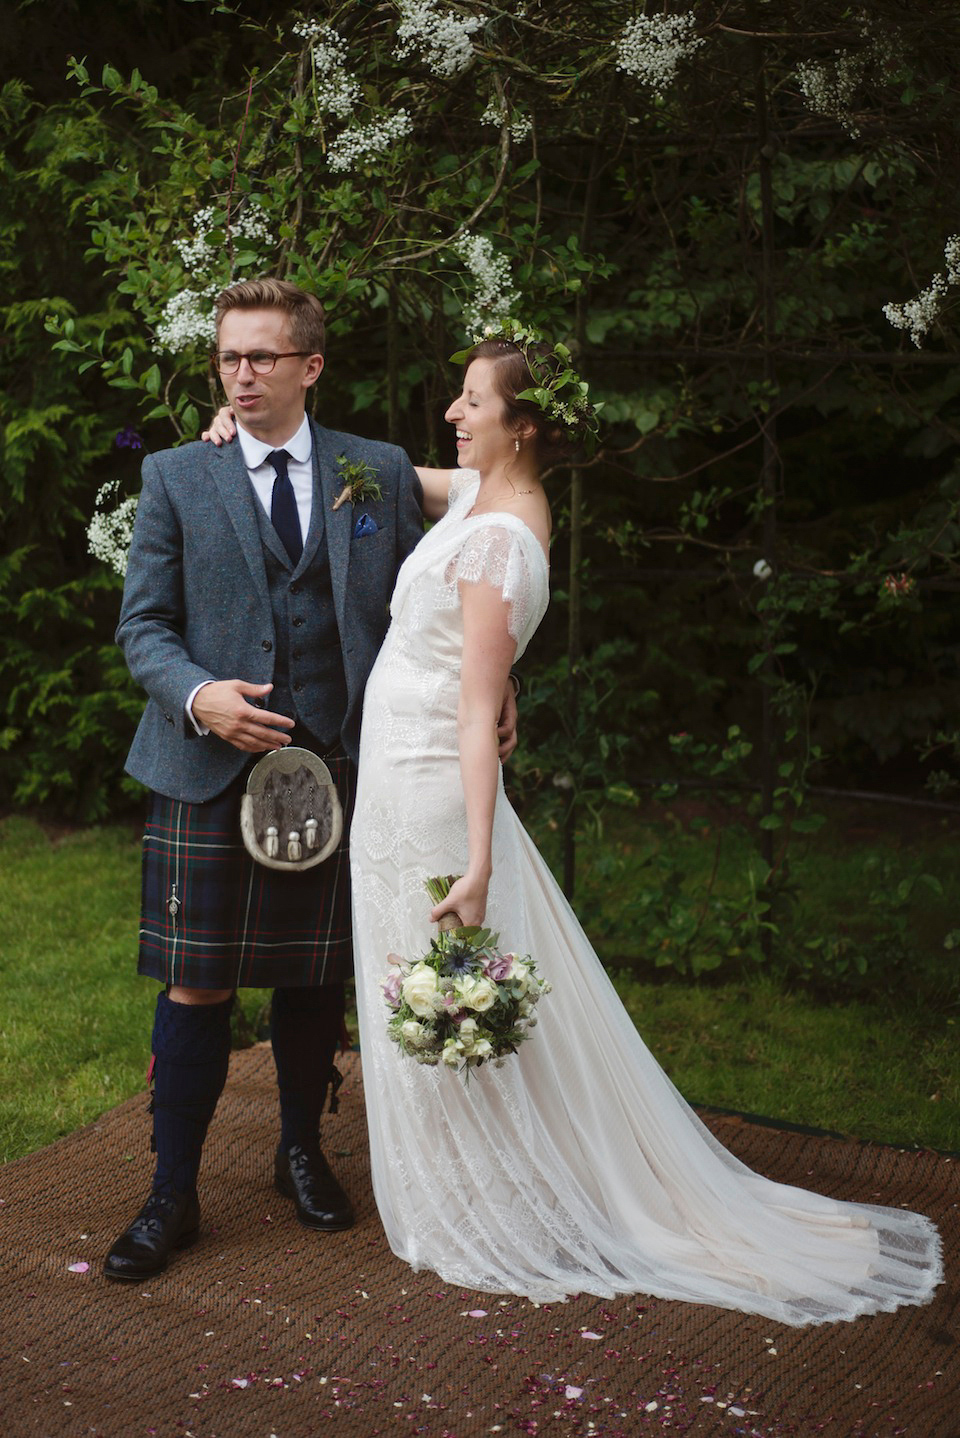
pixel 717 265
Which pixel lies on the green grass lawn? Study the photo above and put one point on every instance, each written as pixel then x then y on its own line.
pixel 75 1018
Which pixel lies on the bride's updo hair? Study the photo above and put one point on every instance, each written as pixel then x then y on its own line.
pixel 511 375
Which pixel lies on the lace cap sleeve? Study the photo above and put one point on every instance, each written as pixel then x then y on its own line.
pixel 502 556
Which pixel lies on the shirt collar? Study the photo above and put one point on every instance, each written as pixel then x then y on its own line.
pixel 255 451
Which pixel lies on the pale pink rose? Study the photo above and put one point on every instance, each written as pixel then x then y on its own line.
pixel 391 988
pixel 499 968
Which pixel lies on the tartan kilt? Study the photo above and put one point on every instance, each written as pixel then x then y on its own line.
pixel 239 924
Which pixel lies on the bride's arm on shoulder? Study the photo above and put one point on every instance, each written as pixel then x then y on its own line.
pixel 436 490
pixel 222 427
pixel 488 651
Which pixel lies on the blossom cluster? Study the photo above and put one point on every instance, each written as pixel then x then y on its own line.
pixel 110 531
pixel 463 1003
pixel 652 46
pixel 187 319
pixel 363 142
pixel 899 585
pixel 441 38
pixel 830 88
pixel 920 313
pixel 497 114
pixel 493 295
pixel 336 90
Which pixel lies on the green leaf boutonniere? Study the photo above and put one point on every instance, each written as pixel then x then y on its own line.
pixel 358 480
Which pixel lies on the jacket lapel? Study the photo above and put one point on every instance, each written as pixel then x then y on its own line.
pixel 230 475
pixel 317 514
pixel 338 523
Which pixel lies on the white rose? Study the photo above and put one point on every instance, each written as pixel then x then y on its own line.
pixel 467 1034
pixel 413 1033
pixel 520 974
pixel 478 994
pixel 420 989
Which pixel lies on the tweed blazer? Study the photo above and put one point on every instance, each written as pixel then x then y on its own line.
pixel 196 605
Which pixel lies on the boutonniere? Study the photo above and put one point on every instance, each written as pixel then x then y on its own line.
pixel 358 481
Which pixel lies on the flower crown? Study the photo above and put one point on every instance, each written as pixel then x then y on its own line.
pixel 559 391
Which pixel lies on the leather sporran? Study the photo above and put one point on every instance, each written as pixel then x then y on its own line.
pixel 290 814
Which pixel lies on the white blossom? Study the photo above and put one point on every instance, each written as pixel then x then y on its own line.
pixel 110 531
pixel 187 322
pixel 336 91
pixel 652 46
pixel 361 142
pixel 493 295
pixel 762 569
pixel 920 313
pixel 442 39
pixel 830 88
pixel 496 113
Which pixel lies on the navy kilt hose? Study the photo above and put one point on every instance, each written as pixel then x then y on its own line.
pixel 212 918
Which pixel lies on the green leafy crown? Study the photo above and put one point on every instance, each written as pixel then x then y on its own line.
pixel 558 389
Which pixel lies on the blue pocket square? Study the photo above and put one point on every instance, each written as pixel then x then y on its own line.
pixel 365 525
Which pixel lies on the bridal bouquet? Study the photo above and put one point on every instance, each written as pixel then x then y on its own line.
pixel 464 1002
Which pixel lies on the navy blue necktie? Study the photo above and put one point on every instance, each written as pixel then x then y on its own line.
pixel 283 507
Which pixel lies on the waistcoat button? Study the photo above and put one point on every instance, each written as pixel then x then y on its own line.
pixel 266 644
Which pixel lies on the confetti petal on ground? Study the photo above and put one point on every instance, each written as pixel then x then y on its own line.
pixel 477 1313
pixel 78 1267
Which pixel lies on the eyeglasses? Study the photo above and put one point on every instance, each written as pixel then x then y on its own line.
pixel 260 361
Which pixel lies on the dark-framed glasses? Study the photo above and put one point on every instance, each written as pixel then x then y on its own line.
pixel 260 361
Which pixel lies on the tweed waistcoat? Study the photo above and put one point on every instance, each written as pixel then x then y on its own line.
pixel 308 676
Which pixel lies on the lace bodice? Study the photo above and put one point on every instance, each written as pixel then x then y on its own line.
pixel 496 549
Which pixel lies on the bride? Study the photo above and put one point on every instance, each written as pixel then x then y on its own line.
pixel 576 1167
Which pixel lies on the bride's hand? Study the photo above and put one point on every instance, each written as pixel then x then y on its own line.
pixel 222 428
pixel 467 898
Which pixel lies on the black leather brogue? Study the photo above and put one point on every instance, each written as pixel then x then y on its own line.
pixel 166 1222
pixel 303 1174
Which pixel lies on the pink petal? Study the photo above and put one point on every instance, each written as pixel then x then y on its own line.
pixel 78 1267
pixel 477 1313
pixel 588 1334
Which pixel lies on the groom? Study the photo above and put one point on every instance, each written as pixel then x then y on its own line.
pixel 252 614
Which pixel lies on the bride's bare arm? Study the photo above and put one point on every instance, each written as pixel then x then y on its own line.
pixel 436 490
pixel 488 652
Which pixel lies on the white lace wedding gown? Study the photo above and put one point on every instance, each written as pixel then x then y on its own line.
pixel 577 1167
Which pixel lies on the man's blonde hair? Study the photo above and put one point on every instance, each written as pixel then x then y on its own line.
pixel 304 312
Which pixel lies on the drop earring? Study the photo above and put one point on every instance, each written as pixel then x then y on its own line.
pixel 516 445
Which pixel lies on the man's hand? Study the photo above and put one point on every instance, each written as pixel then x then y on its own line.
pixel 507 723
pixel 222 707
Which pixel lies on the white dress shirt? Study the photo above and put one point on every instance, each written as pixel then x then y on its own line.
pixel 262 475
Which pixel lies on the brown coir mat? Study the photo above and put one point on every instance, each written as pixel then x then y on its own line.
pixel 265 1330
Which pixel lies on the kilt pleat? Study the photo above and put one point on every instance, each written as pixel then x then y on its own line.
pixel 212 918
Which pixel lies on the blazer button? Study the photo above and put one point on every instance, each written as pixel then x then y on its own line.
pixel 298 688
pixel 294 589
pixel 266 644
pixel 296 622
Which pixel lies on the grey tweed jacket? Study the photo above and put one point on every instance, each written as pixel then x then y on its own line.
pixel 196 604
